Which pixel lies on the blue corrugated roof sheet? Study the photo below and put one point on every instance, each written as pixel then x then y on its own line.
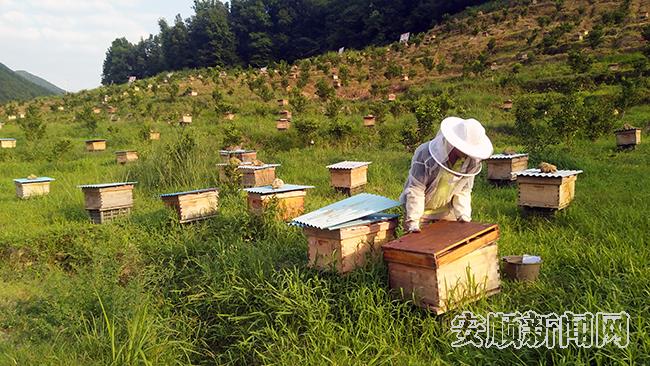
pixel 36 180
pixel 270 190
pixel 348 210
pixel 8 139
pixel 190 192
pixel 240 151
pixel 538 173
pixel 107 185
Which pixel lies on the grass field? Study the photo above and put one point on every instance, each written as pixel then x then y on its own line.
pixel 235 289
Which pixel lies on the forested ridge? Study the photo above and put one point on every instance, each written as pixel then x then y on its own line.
pixel 259 32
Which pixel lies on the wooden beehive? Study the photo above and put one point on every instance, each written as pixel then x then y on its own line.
pixel 95 145
pixel 7 143
pixel 285 114
pixel 193 94
pixel 546 190
pixel 446 265
pixel 405 78
pixel 289 200
pixel 185 120
pixel 106 202
pixel 391 97
pixel 26 187
pixel 245 156
pixel 97 110
pixel 154 135
pixel 193 205
pixel 12 118
pixel 369 120
pixel 345 234
pixel 507 105
pixel 628 137
pixel 283 102
pixel 502 167
pixel 350 177
pixel 282 124
pixel 112 110
pixel 229 116
pixel 336 84
pixel 613 67
pixel 126 156
pixel 257 176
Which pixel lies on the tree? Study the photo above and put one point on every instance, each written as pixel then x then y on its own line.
pixel 175 44
pixel 118 65
pixel 580 62
pixel 32 125
pixel 210 35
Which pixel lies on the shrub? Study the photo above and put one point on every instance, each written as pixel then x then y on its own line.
pixel 595 37
pixel 298 101
pixel 427 113
pixel 339 130
pixel 324 90
pixel 232 136
pixel 580 62
pixel 59 149
pixel 428 63
pixel 87 119
pixel 599 118
pixel 393 70
pixel 333 108
pixel 307 129
pixel 32 125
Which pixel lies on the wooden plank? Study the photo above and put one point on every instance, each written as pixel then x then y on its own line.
pixel 441 236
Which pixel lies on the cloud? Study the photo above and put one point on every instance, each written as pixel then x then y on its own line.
pixel 52 38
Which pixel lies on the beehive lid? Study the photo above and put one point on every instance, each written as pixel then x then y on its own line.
pixel 238 151
pixel 538 173
pixel 106 185
pixel 126 151
pixel 627 129
pixel 345 212
pixel 370 219
pixel 96 140
pixel 506 156
pixel 190 192
pixel 7 139
pixel 35 180
pixel 349 165
pixel 269 189
pixel 258 167
pixel 448 239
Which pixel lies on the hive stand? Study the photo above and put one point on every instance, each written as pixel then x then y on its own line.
pixel 193 206
pixel 26 188
pixel 106 202
pixel 126 156
pixel 628 138
pixel 446 265
pixel 95 145
pixel 349 177
pixel 345 235
pixel 546 192
pixel 501 168
pixel 7 143
pixel 289 200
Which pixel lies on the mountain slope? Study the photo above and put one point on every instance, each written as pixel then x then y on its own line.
pixel 14 86
pixel 40 81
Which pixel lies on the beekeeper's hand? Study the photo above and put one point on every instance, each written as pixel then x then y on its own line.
pixel 463 218
pixel 412 227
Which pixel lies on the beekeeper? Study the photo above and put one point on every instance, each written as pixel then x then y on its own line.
pixel 439 186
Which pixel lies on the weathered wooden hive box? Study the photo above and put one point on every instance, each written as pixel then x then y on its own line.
pixel 193 205
pixel 245 156
pixel 283 102
pixel 154 135
pixel 369 120
pixel 507 105
pixel 11 118
pixel 7 143
pixel 97 110
pixel 126 156
pixel 26 187
pixel 285 114
pixel 229 116
pixel 257 175
pixel 628 137
pixel 282 124
pixel 502 167
pixel 349 177
pixel 345 235
pixel 445 265
pixel 336 83
pixel 289 200
pixel 112 110
pixel 392 97
pixel 185 120
pixel 106 202
pixel 95 145
pixel 546 190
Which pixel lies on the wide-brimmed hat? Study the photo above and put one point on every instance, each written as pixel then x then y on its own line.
pixel 468 136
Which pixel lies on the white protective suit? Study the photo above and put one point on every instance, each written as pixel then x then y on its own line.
pixel 434 185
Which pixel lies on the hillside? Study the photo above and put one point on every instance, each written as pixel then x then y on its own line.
pixel 40 82
pixel 16 87
pixel 237 288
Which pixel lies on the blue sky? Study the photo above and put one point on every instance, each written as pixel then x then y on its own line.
pixel 65 41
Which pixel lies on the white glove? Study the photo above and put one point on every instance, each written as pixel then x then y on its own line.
pixel 464 218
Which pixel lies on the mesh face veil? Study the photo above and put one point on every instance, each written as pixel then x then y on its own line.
pixel 439 150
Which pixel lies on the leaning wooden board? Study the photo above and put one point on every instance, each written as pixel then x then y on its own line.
pixel 447 264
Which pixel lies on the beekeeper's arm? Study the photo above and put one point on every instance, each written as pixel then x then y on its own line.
pixel 462 202
pixel 414 194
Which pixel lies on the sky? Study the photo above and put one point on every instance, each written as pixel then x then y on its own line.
pixel 65 41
